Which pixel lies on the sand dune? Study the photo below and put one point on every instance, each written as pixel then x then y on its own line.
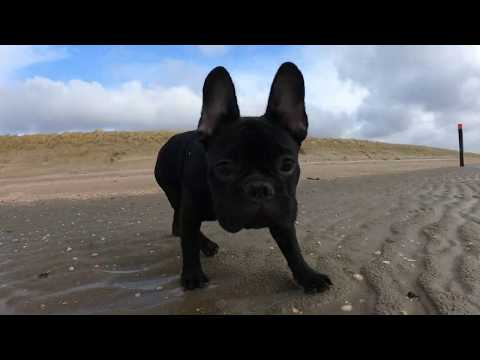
pixel 35 155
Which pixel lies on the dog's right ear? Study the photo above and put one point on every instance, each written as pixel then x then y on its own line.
pixel 219 102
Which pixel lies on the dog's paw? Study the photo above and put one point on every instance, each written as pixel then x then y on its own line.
pixel 209 248
pixel 315 282
pixel 193 279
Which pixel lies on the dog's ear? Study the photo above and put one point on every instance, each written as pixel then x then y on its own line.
pixel 286 103
pixel 219 102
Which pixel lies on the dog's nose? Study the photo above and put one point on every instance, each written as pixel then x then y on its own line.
pixel 259 190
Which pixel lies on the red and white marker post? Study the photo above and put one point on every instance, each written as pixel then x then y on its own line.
pixel 460 142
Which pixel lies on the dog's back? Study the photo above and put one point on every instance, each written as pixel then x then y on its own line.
pixel 171 158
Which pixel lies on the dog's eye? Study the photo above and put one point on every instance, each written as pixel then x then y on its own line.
pixel 224 170
pixel 287 166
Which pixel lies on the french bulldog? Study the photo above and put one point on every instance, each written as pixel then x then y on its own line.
pixel 241 171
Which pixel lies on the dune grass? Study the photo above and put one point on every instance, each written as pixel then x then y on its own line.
pixel 110 147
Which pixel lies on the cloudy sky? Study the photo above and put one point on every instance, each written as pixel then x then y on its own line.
pixel 400 94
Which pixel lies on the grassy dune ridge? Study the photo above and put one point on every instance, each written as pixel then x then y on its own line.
pixel 96 147
pixel 138 148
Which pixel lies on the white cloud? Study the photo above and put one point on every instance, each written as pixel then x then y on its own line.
pixel 213 50
pixel 15 57
pixel 163 95
pixel 326 90
pixel 402 94
pixel 167 72
pixel 417 94
pixel 43 105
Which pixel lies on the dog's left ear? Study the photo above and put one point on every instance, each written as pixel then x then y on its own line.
pixel 286 103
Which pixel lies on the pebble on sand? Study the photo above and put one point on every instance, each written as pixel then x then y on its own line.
pixel 43 275
pixel 412 295
pixel 347 308
pixel 358 277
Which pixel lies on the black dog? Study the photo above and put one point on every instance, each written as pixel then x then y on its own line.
pixel 242 171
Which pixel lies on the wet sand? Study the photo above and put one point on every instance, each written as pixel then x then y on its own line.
pixel 405 242
pixel 31 183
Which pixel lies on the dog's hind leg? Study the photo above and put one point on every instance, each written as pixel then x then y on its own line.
pixel 208 247
pixel 176 223
pixel 173 195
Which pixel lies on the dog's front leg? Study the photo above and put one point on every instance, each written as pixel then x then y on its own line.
pixel 308 278
pixel 192 273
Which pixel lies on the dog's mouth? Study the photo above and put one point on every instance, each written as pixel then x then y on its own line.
pixel 259 219
pixel 231 227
